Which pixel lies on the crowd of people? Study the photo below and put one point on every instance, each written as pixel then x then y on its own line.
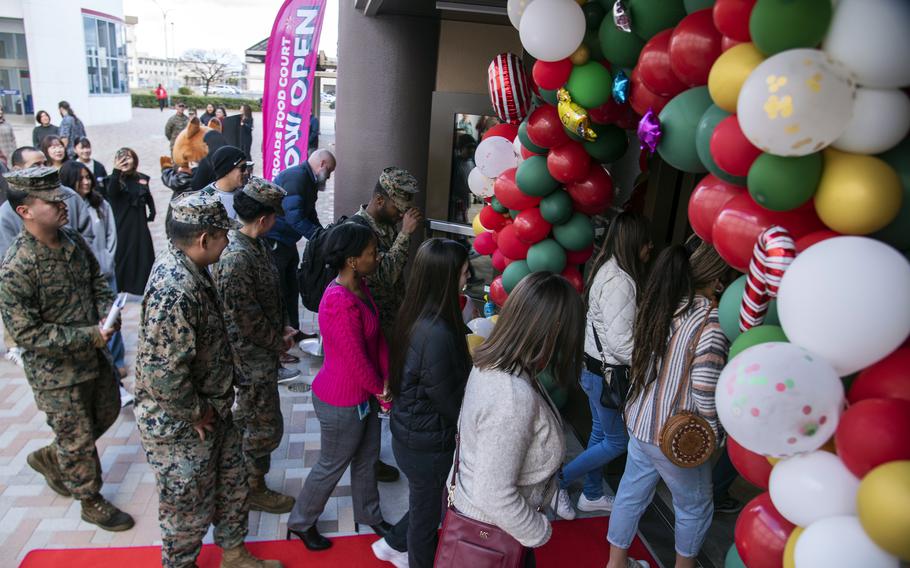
pixel 220 314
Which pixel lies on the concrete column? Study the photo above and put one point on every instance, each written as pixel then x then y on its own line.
pixel 386 78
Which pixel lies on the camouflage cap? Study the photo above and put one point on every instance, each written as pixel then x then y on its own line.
pixel 38 181
pixel 401 186
pixel 265 192
pixel 196 208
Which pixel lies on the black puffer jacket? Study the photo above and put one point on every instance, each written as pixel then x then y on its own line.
pixel 425 413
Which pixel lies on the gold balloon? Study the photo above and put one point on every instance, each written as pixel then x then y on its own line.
pixel 883 505
pixel 772 461
pixel 474 341
pixel 581 55
pixel 573 116
pixel 475 224
pixel 790 548
pixel 729 72
pixel 857 194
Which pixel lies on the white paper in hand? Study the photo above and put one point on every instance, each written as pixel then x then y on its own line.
pixel 112 316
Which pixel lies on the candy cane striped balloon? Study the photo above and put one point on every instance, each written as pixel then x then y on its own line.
pixel 510 88
pixel 772 255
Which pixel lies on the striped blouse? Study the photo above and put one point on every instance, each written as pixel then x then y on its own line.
pixel 653 405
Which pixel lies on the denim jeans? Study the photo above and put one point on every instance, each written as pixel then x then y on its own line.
pixel 118 350
pixel 690 487
pixel 608 441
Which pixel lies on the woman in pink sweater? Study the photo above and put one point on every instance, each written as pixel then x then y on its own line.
pixel 347 390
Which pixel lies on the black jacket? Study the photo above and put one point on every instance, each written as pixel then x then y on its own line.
pixel 425 413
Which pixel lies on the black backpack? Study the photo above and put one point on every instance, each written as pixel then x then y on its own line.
pixel 314 275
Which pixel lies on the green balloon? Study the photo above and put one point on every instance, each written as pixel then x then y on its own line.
pixel 546 256
pixel 897 232
pixel 594 14
pixel 514 273
pixel 732 559
pixel 592 40
pixel 728 309
pixel 679 121
pixel 549 96
pixel 572 135
pixel 497 206
pixel 755 336
pixel 514 213
pixel 696 5
pixel 652 16
pixel 533 178
pixel 782 184
pixel 619 48
pixel 590 84
pixel 779 25
pixel 576 233
pixel 610 145
pixel 526 140
pixel 556 208
pixel 703 132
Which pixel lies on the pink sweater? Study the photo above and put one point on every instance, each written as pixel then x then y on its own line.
pixel 356 355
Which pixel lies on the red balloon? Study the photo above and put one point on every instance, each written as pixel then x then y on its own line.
pixel 507 192
pixel 654 67
pixel 728 42
pixel 732 18
pixel 545 129
pixel 642 99
pixel 594 194
pixel 573 275
pixel 568 163
pixel 741 221
pixel 531 227
pixel 761 534
pixel 889 378
pixel 873 432
pixel 552 75
pixel 525 153
pixel 708 198
pixel 512 246
pixel 497 292
pixel 579 256
pixel 504 129
pixel 484 243
pixel 491 220
pixel 807 241
pixel 755 468
pixel 611 112
pixel 694 47
pixel 500 261
pixel 731 150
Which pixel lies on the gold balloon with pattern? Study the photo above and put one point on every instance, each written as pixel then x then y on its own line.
pixel 574 117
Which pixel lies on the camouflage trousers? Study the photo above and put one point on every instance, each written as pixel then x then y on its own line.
pixel 200 482
pixel 258 415
pixel 79 415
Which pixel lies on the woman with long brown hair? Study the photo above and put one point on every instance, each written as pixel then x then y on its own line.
pixel 511 435
pixel 131 199
pixel 54 150
pixel 678 354
pixel 613 286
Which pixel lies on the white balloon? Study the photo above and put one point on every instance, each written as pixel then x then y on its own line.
pixel 795 103
pixel 847 299
pixel 777 399
pixel 482 327
pixel 881 119
pixel 516 144
pixel 515 9
pixel 869 37
pixel 839 542
pixel 811 487
pixel 479 184
pixel 551 30
pixel 495 155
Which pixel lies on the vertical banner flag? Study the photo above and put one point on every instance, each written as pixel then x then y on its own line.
pixel 290 65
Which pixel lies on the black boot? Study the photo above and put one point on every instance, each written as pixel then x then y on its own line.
pixel 311 538
pixel 382 529
pixel 386 473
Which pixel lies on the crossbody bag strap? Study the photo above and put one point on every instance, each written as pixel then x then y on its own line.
pixel 690 357
pixel 600 350
pixel 451 497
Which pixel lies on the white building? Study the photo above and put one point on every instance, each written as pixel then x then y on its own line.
pixel 72 50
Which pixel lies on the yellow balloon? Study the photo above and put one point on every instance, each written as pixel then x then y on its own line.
pixel 772 461
pixel 474 341
pixel 729 73
pixel 857 194
pixel 475 224
pixel 883 504
pixel 790 548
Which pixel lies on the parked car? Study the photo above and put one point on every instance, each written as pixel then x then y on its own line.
pixel 223 90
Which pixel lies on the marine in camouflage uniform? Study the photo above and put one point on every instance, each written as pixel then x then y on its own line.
pixel 52 298
pixel 247 281
pixel 185 376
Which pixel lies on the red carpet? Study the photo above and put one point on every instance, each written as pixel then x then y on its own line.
pixel 581 543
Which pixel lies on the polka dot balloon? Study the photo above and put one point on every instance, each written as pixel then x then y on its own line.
pixel 777 399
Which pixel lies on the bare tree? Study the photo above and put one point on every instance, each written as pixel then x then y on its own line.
pixel 207 66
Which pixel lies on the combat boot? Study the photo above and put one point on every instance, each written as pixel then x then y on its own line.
pixel 99 511
pixel 262 498
pixel 240 557
pixel 44 461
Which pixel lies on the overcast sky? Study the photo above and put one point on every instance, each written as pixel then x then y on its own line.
pixel 231 25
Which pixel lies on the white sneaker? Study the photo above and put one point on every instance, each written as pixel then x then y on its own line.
pixel 588 506
pixel 383 551
pixel 563 505
pixel 632 563
pixel 126 397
